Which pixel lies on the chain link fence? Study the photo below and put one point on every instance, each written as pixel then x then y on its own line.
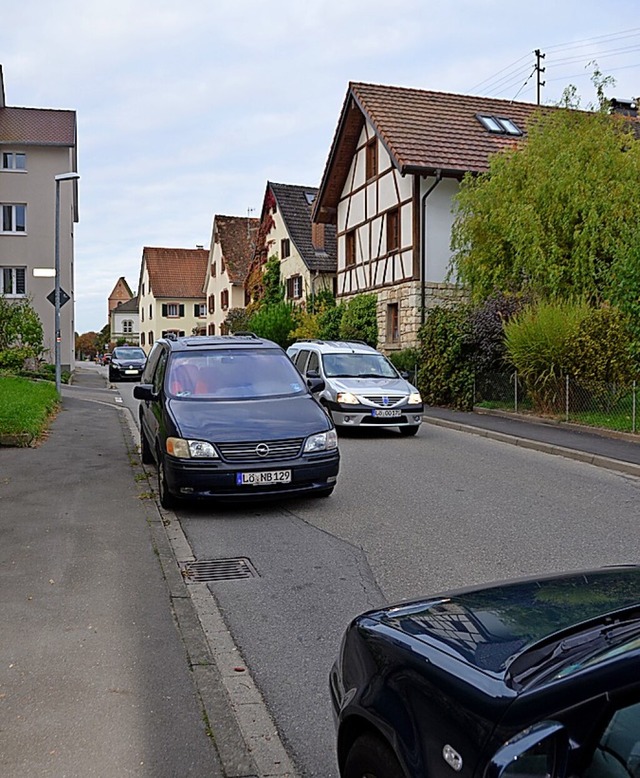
pixel 609 406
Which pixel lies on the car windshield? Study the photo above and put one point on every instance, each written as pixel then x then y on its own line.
pixel 129 353
pixel 352 365
pixel 233 374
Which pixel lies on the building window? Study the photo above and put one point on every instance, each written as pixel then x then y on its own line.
pixel 14 218
pixel 393 328
pixel 371 158
pixel 212 329
pixel 213 270
pixel 13 281
pixel 127 327
pixel 142 339
pixel 212 303
pixel 142 295
pixel 224 299
pixel 200 310
pixel 350 248
pixel 150 313
pixel 393 230
pixel 285 248
pixel 14 160
pixel 223 265
pixel 150 338
pixel 500 125
pixel 294 287
pixel 172 310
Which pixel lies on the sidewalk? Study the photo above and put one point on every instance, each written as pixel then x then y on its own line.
pixel 614 451
pixel 95 678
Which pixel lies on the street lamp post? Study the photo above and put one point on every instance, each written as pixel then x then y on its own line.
pixel 59 178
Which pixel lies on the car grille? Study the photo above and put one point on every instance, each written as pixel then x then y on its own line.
pixel 379 399
pixel 248 452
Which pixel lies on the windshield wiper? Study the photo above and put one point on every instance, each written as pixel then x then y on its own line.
pixel 572 648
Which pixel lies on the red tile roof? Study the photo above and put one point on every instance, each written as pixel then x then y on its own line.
pixel 176 273
pixel 423 132
pixel 37 126
pixel 237 242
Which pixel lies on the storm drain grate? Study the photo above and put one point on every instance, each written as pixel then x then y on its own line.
pixel 232 569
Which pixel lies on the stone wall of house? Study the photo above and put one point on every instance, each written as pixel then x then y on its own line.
pixel 408 296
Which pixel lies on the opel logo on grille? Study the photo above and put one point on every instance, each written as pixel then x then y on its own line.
pixel 262 450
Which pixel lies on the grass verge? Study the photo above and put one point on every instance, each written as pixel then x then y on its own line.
pixel 26 406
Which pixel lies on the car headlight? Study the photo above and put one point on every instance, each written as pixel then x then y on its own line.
pixel 346 398
pixel 415 399
pixel 323 441
pixel 191 449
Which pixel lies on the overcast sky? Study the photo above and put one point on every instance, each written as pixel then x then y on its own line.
pixel 186 109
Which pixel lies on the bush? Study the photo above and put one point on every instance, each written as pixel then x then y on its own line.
pixel 237 320
pixel 445 374
pixel 275 322
pixel 601 360
pixel 406 359
pixel 329 322
pixel 540 343
pixel 21 334
pixel 487 321
pixel 360 319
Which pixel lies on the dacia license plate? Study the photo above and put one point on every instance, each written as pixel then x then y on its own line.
pixel 264 477
pixel 385 413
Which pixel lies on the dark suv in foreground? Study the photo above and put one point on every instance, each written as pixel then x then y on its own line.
pixel 531 678
pixel 229 416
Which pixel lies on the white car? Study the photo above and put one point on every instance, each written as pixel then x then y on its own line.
pixel 362 387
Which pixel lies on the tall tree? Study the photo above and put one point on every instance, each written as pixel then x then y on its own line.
pixel 554 215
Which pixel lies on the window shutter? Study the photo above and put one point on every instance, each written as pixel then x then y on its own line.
pixel 164 309
pixel 181 309
pixel 196 309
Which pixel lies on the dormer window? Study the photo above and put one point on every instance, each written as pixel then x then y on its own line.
pixel 499 125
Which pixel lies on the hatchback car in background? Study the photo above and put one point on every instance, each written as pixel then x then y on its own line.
pixel 536 677
pixel 127 362
pixel 229 417
pixel 362 388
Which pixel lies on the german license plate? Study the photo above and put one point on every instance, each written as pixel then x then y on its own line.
pixel 264 477
pixel 131 372
pixel 385 413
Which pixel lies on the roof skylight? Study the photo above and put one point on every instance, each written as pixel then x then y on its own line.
pixel 500 125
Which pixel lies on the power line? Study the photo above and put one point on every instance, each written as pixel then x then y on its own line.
pixel 611 36
pixel 491 78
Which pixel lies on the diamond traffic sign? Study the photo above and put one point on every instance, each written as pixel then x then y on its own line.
pixel 64 297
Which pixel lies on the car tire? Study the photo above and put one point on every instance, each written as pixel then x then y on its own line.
pixel 324 492
pixel 371 757
pixel 146 454
pixel 407 432
pixel 167 500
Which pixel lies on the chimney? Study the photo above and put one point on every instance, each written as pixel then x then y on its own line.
pixel 317 235
pixel 623 107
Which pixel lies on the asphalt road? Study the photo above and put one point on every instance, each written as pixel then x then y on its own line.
pixel 408 517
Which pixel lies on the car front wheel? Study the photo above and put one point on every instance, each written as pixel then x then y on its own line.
pixel 371 757
pixel 167 500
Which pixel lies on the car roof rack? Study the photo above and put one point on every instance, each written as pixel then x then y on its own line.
pixel 245 334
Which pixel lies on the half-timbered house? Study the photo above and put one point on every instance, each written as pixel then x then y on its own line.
pixel 395 165
pixel 307 251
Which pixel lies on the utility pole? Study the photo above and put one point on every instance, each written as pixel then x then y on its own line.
pixel 539 71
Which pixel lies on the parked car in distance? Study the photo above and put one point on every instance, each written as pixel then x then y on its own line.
pixel 362 388
pixel 105 359
pixel 536 677
pixel 229 417
pixel 126 362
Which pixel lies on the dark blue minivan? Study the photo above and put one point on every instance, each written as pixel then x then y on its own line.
pixel 229 416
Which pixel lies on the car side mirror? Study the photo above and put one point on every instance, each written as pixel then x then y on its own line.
pixel 315 383
pixel 144 392
pixel 540 750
